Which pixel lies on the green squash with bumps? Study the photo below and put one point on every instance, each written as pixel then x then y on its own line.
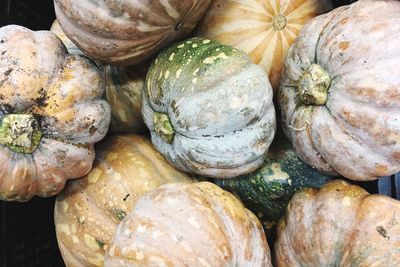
pixel 209 108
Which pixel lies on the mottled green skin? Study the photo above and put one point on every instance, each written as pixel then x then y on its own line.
pixel 267 197
pixel 218 104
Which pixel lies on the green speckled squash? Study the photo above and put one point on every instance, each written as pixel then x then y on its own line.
pixel 268 190
pixel 89 210
pixel 339 225
pixel 209 108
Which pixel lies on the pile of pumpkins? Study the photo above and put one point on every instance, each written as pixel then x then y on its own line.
pixel 281 103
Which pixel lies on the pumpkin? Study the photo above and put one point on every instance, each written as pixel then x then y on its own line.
pixel 209 108
pixel 264 29
pixel 127 32
pixel 124 94
pixel 268 190
pixel 340 91
pixel 193 225
pixel 339 225
pixel 88 211
pixel 123 90
pixel 51 114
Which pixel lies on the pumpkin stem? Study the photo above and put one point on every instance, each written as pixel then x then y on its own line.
pixel 314 85
pixel 20 133
pixel 279 22
pixel 163 127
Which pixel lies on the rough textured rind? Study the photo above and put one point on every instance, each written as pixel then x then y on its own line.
pixel 252 27
pixel 219 104
pixel 268 190
pixel 339 225
pixel 195 225
pixel 88 211
pixel 127 32
pixel 62 92
pixel 357 132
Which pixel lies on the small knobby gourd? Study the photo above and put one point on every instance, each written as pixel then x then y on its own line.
pixel 209 108
pixel 124 31
pixel 264 29
pixel 339 225
pixel 51 114
pixel 340 92
pixel 193 225
pixel 268 190
pixel 123 90
pixel 88 211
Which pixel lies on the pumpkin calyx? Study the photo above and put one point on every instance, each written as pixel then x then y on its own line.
pixel 279 22
pixel 163 127
pixel 314 85
pixel 20 132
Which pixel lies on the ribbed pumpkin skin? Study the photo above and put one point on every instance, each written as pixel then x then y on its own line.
pixel 218 103
pixel 356 132
pixel 254 27
pixel 58 95
pixel 123 90
pixel 339 225
pixel 268 190
pixel 193 225
pixel 88 211
pixel 124 87
pixel 127 32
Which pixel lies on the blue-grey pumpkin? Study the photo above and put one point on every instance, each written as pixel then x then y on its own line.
pixel 209 108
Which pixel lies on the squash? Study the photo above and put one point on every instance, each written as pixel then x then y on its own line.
pixel 268 190
pixel 88 211
pixel 123 90
pixel 127 32
pixel 209 108
pixel 340 91
pixel 193 225
pixel 264 29
pixel 339 225
pixel 51 114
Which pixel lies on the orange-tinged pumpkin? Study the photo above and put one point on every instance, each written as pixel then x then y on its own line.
pixel 264 29
pixel 194 225
pixel 339 225
pixel 88 211
pixel 127 32
pixel 51 114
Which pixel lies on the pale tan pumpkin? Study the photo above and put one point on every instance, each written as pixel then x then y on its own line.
pixel 51 114
pixel 127 32
pixel 339 225
pixel 88 211
pixel 340 92
pixel 123 90
pixel 264 29
pixel 192 225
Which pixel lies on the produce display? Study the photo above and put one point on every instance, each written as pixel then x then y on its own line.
pixel 339 225
pixel 187 94
pixel 193 225
pixel 264 29
pixel 51 114
pixel 209 108
pixel 268 190
pixel 340 91
pixel 89 210
pixel 127 32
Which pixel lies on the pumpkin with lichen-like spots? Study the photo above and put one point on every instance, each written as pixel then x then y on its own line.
pixel 339 225
pixel 88 211
pixel 127 32
pixel 209 108
pixel 264 29
pixel 193 225
pixel 340 92
pixel 51 114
